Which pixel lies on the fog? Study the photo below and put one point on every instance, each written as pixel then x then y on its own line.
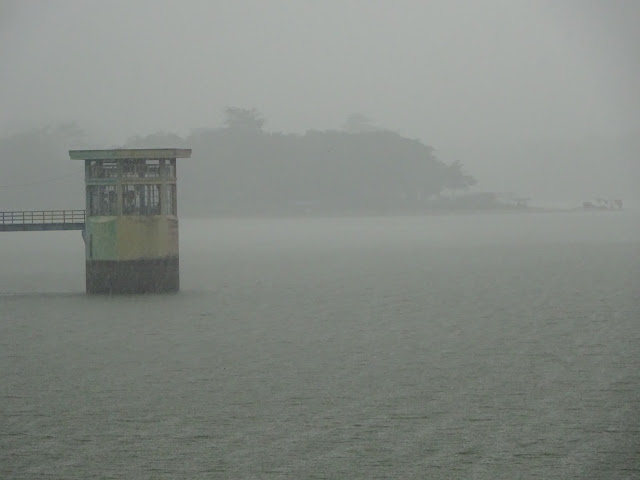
pixel 401 249
pixel 537 98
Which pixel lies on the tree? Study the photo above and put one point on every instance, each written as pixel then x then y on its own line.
pixel 359 123
pixel 156 140
pixel 243 119
pixel 456 178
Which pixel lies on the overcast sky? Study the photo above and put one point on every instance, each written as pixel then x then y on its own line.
pixel 455 74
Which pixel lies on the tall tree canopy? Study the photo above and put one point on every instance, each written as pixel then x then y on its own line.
pixel 248 119
pixel 239 168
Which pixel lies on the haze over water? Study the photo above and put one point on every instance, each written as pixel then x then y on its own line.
pixel 537 98
pixel 487 346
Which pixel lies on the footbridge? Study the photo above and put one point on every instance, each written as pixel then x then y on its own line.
pixel 42 220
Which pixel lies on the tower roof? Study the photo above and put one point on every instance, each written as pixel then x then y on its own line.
pixel 127 153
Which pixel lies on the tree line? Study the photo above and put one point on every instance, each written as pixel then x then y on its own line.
pixel 239 168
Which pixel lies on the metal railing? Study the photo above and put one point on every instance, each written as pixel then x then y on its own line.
pixel 40 217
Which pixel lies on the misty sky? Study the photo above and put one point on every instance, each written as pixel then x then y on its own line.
pixel 462 76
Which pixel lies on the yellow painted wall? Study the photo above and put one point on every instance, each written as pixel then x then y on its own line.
pixel 146 237
pixel 131 237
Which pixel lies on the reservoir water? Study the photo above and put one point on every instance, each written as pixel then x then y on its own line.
pixel 488 347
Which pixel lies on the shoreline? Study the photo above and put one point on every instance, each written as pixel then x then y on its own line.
pixel 397 213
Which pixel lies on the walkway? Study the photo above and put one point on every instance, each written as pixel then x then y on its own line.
pixel 42 220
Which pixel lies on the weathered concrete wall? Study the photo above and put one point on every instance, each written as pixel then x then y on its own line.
pixel 133 276
pixel 132 254
pixel 146 237
pixel 131 237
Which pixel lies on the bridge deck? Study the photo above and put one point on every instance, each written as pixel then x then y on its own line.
pixel 42 220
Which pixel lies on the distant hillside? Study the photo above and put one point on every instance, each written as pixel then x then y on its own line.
pixel 236 170
pixel 241 169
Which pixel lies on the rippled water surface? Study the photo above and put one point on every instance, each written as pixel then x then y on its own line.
pixel 488 347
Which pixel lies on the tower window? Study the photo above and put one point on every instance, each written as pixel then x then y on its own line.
pixel 102 199
pixel 134 168
pixel 141 199
pixel 102 169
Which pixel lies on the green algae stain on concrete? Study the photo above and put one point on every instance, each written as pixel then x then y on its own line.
pixel 101 236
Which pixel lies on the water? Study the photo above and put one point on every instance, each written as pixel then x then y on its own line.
pixel 487 347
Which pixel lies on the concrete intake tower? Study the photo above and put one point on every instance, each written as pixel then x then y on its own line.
pixel 131 224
